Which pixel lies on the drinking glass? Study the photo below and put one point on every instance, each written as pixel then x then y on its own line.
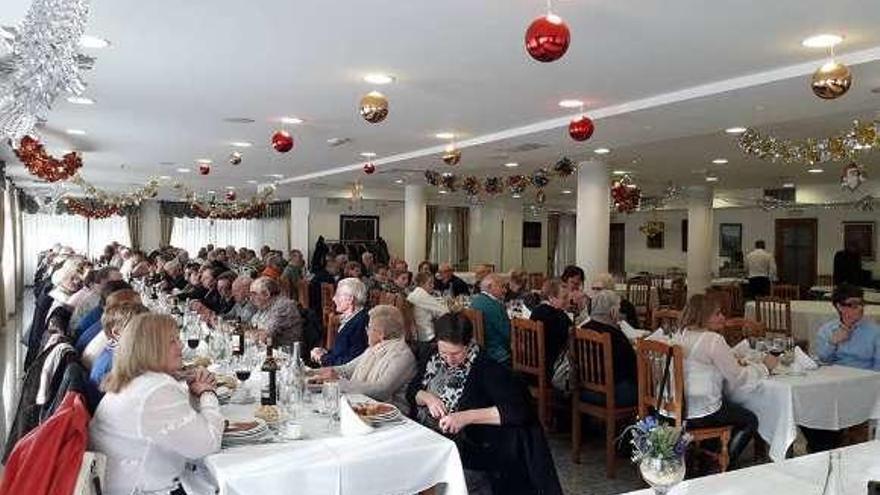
pixel 330 397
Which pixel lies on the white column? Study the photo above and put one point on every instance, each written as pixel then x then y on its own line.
pixel 699 255
pixel 511 243
pixel 300 212
pixel 151 232
pixel 593 224
pixel 414 218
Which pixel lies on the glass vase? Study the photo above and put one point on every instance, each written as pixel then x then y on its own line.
pixel 662 473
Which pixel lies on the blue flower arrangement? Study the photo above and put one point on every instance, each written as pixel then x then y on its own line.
pixel 651 439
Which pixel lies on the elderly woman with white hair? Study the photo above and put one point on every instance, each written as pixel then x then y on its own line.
pixel 351 339
pixel 603 319
pixel 51 313
pixel 385 369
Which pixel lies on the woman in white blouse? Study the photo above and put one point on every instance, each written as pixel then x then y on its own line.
pixel 710 365
pixel 146 423
pixel 426 307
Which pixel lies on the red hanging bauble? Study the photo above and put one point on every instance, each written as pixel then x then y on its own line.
pixel 547 38
pixel 581 128
pixel 282 141
pixel 369 168
pixel 230 195
pixel 204 168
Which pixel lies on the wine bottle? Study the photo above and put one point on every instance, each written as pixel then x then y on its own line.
pixel 269 394
pixel 237 338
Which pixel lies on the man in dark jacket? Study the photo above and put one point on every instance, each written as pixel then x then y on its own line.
pixel 448 282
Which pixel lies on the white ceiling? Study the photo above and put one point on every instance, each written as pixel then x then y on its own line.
pixel 661 78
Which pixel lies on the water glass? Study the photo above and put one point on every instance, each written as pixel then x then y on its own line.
pixel 330 397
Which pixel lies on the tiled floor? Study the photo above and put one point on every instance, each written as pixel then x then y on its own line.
pixel 588 477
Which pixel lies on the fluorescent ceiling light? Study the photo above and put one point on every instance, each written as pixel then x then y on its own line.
pixel 444 135
pixel 76 132
pixel 275 176
pixel 517 195
pixel 788 185
pixel 511 165
pixel 252 182
pixel 399 181
pixel 566 191
pixel 80 100
pixel 206 161
pixel 164 177
pixel 291 120
pixel 241 144
pixel 711 178
pixel 443 191
pixel 816 170
pixel 368 154
pixel 212 192
pixel 89 41
pixel 824 40
pixel 183 170
pixel 378 78
pixel 571 103
pixel 601 151
pixel 230 188
pixel 620 172
pixel 719 161
pixel 735 130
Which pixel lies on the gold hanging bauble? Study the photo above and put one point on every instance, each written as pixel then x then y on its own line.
pixel 374 107
pixel 831 81
pixel 452 156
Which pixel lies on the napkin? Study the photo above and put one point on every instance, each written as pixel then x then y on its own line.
pixel 743 348
pixel 630 332
pixel 802 362
pixel 659 335
pixel 350 424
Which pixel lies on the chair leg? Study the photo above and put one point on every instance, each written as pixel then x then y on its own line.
pixel 724 456
pixel 575 434
pixel 610 451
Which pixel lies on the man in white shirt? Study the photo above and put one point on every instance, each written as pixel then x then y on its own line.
pixel 761 267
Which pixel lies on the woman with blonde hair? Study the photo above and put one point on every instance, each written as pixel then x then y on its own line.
pixel 146 425
pixel 709 366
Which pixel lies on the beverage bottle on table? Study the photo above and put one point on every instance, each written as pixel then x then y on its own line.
pixel 237 339
pixel 269 393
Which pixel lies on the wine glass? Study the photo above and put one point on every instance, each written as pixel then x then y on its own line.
pixel 242 367
pixel 330 397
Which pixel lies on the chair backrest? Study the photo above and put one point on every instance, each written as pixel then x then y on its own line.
pixel 327 292
pixel 725 300
pixel 679 293
pixel 666 318
pixel 737 305
pixel 375 297
pixel 536 281
pixel 527 348
pixel 657 281
pixel 774 313
pixel 651 356
pixel 592 367
pixel 825 280
pixel 737 329
pixel 476 318
pixel 302 293
pixel 332 326
pixel 388 298
pixel 638 292
pixel 785 291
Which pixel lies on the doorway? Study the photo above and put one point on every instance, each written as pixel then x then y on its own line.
pixel 796 250
pixel 616 249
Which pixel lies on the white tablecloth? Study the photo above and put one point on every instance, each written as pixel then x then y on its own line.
pixel 392 460
pixel 800 476
pixel 871 296
pixel 808 316
pixel 830 398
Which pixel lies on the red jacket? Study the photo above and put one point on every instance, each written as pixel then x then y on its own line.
pixel 46 461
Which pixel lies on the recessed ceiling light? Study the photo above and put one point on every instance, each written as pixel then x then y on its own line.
pixel 815 170
pixel 231 188
pixel 601 151
pixel 620 172
pixel 89 41
pixel 399 181
pixel 788 185
pixel 824 40
pixel 291 120
pixel 378 78
pixel 252 182
pixel 164 177
pixel 735 130
pixel 711 178
pixel 443 191
pixel 719 161
pixel 275 176
pixel 80 100
pixel 76 132
pixel 566 191
pixel 183 170
pixel 206 161
pixel 368 154
pixel 511 165
pixel 571 103
pixel 517 195
pixel 444 135
pixel 241 144
pixel 239 120
pixel 212 192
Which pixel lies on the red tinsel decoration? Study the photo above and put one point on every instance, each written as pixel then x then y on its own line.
pixel 88 209
pixel 626 195
pixel 45 166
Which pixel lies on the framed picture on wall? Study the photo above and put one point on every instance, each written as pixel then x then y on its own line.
pixel 730 243
pixel 358 227
pixel 859 236
pixel 655 241
pixel 531 235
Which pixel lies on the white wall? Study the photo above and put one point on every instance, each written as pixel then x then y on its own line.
pixel 485 240
pixel 324 220
pixel 535 259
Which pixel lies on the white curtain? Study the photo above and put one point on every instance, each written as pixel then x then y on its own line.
pixel 40 231
pixel 104 231
pixel 7 252
pixel 445 237
pixel 565 244
pixel 194 233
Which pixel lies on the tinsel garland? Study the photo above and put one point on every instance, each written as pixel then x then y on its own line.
pixel 43 165
pixel 118 200
pixel 88 208
pixel 846 145
pixel 625 195
pixel 40 62
pixel 492 186
pixel 228 210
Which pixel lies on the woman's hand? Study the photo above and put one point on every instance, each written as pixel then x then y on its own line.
pixel 317 353
pixel 453 423
pixel 771 361
pixel 432 402
pixel 201 381
pixel 327 374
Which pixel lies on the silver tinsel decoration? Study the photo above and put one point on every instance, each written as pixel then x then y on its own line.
pixel 38 62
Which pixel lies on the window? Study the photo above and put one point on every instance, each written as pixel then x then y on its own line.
pixel 358 227
pixel 730 243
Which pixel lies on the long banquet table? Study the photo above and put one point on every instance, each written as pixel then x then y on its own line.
pixel 808 316
pixel 401 459
pixel 829 398
pixel 800 476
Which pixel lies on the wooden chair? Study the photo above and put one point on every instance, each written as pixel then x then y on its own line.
pixel 651 358
pixel 302 293
pixel 327 292
pixel 825 280
pixel 638 292
pixel 666 318
pixel 332 327
pixel 775 314
pixel 536 281
pixel 737 329
pixel 592 370
pixel 476 318
pixel 375 297
pixel 785 291
pixel 388 298
pixel 735 296
pixel 528 356
pixel 724 299
pixel 678 298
